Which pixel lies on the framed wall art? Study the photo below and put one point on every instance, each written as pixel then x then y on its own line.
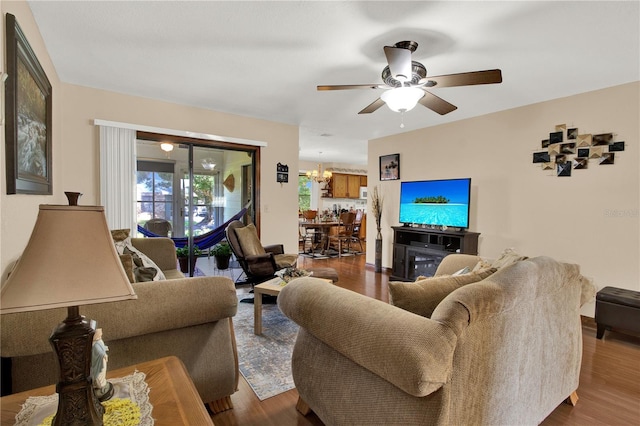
pixel 28 110
pixel 578 150
pixel 390 167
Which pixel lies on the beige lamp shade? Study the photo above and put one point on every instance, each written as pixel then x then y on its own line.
pixel 70 260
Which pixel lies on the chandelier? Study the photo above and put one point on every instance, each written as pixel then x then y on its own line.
pixel 318 175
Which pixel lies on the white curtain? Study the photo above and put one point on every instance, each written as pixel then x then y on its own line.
pixel 118 177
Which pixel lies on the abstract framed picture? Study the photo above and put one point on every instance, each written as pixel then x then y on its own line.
pixel 616 146
pixel 28 111
pixel 572 133
pixel 541 157
pixel 568 148
pixel 563 169
pixel 555 137
pixel 602 139
pixel 584 140
pixel 607 158
pixel 580 163
pixel 390 167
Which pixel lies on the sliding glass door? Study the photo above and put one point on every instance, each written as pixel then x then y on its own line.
pixel 192 189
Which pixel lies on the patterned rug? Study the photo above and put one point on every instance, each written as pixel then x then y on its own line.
pixel 265 361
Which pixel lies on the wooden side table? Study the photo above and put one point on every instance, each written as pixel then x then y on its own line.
pixel 272 288
pixel 172 394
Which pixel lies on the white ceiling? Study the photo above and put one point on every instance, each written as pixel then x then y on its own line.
pixel 264 59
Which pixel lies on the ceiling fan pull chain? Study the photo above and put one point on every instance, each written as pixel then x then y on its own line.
pixel 402 119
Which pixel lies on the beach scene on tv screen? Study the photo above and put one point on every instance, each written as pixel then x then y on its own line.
pixel 443 202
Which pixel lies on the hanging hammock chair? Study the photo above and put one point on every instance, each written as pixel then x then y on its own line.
pixel 203 241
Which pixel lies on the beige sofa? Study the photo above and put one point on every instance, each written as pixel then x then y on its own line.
pixel 504 350
pixel 190 318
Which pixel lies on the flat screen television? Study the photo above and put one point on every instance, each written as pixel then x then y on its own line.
pixel 436 202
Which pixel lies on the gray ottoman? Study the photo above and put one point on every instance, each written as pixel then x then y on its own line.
pixel 617 308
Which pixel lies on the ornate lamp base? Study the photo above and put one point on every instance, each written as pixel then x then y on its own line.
pixel 72 341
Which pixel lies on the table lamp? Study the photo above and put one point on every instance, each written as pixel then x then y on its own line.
pixel 70 260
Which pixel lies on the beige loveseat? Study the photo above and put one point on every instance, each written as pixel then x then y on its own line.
pixel 504 350
pixel 190 318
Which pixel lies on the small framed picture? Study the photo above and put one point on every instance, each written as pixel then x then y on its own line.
pixel 541 157
pixel 555 137
pixel 602 139
pixel 564 169
pixel 390 167
pixel 616 146
pixel 607 158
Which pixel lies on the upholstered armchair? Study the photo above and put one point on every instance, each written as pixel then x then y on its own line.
pixel 493 348
pixel 160 227
pixel 258 262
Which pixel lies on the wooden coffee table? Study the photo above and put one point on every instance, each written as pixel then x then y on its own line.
pixel 272 288
pixel 172 394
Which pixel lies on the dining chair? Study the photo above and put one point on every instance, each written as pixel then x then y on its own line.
pixel 359 228
pixel 345 232
pixel 310 237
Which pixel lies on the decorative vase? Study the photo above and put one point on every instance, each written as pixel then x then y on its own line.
pixel 378 259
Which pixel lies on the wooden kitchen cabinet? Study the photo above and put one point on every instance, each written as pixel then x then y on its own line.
pixel 345 186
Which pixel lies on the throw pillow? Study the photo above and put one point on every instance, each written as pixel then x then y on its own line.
pixel 122 240
pixel 422 297
pixel 127 264
pixel 119 235
pixel 141 273
pixel 508 257
pixel 249 241
pixel 482 264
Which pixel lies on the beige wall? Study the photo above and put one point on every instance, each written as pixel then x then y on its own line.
pixel 76 145
pixel 590 218
pixel 18 212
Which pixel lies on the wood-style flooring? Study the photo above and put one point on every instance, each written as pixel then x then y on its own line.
pixel 609 389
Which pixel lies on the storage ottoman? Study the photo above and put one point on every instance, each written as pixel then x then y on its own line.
pixel 617 308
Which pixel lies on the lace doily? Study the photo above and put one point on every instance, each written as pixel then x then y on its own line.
pixel 129 405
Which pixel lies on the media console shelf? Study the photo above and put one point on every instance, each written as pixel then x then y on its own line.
pixel 419 251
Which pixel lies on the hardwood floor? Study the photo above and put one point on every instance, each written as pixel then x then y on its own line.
pixel 609 388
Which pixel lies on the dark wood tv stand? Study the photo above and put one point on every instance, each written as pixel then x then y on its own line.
pixel 419 251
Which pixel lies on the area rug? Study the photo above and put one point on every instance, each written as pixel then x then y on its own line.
pixel 265 361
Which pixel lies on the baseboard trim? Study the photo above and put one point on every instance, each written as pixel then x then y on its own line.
pixel 588 322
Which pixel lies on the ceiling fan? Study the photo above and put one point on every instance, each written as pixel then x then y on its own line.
pixel 406 81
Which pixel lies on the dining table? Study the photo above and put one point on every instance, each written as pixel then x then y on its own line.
pixel 324 229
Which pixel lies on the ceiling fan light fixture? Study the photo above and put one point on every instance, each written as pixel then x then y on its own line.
pixel 208 164
pixel 402 99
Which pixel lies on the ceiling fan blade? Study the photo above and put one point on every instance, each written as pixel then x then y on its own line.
pixel 437 104
pixel 373 106
pixel 399 60
pixel 465 79
pixel 352 86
